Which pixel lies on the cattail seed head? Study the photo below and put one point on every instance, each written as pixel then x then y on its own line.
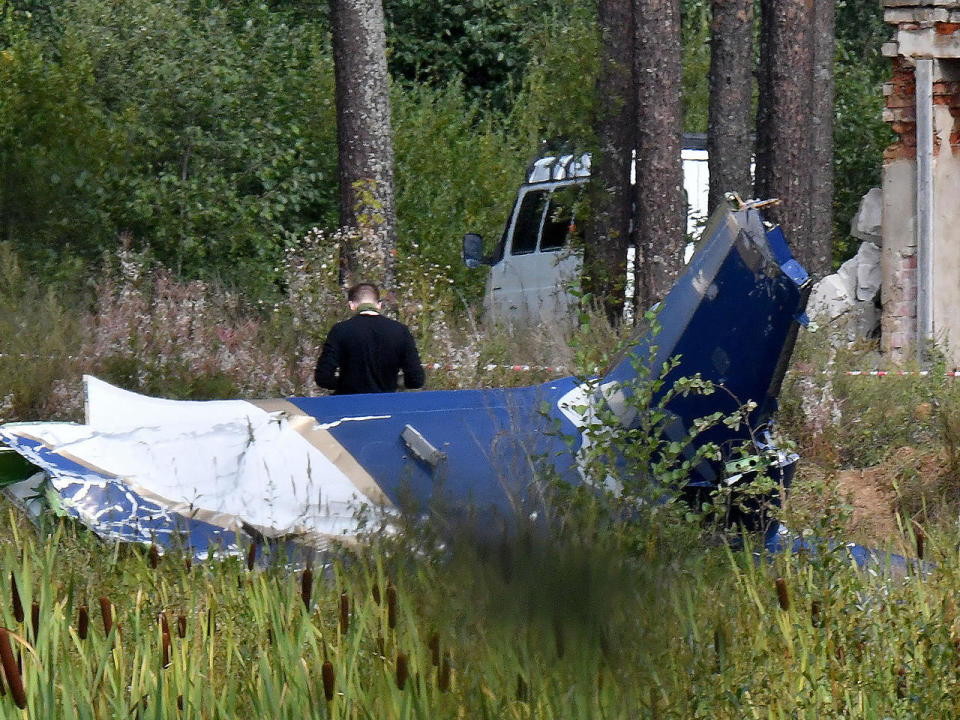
pixel 154 556
pixel 182 625
pixel 816 613
pixel 921 541
pixel 188 564
pixel 443 674
pixel 106 610
pixel 391 606
pixel 15 597
pixel 403 671
pixel 11 670
pixel 326 672
pixel 306 587
pixel 344 613
pixel 251 556
pixel 434 645
pixel 165 642
pixel 901 682
pixel 521 688
pixel 35 619
pixel 164 625
pixel 782 595
pixel 83 622
pixel 376 593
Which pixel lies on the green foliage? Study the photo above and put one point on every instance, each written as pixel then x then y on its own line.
pixel 695 26
pixel 860 135
pixel 456 172
pixel 207 136
pixel 55 150
pixel 554 108
pixel 478 43
pixel 39 337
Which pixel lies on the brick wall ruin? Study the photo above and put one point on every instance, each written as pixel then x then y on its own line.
pixel 921 250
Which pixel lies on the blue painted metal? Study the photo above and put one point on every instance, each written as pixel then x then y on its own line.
pixel 732 317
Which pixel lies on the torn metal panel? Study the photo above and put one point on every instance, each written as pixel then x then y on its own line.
pixel 197 474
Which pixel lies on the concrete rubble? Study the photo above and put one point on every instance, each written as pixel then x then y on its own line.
pixel 848 301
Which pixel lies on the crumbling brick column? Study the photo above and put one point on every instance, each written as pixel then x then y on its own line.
pixel 925 31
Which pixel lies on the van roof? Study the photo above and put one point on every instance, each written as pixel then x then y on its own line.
pixel 554 168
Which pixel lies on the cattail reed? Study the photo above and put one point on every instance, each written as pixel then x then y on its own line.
pixel 15 596
pixel 344 613
pixel 154 556
pixel 522 693
pixel 251 556
pixel 443 674
pixel 35 619
pixel 816 613
pixel 306 587
pixel 434 645
pixel 182 625
pixel 901 682
pixel 11 671
pixel 921 539
pixel 403 671
pixel 391 606
pixel 326 672
pixel 782 595
pixel 106 610
pixel 83 622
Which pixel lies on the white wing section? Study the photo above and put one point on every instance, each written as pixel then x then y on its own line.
pixel 224 462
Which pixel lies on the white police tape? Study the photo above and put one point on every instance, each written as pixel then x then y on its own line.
pixel 450 367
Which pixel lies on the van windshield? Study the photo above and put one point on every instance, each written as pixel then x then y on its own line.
pixel 559 222
pixel 528 222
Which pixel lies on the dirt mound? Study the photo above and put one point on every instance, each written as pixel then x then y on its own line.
pixel 874 496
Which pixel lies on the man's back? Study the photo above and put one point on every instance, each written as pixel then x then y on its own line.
pixel 369 350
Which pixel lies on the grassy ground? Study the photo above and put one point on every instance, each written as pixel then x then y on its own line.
pixel 594 619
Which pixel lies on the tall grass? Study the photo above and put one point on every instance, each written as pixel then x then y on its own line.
pixel 564 625
pixel 146 330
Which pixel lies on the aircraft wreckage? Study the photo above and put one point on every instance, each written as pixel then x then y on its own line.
pixel 210 476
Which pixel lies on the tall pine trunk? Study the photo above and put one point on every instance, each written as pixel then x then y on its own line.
pixel 730 112
pixel 784 117
pixel 364 140
pixel 660 205
pixel 607 234
pixel 820 257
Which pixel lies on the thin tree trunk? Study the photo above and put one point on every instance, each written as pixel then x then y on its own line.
pixel 730 113
pixel 820 257
pixel 607 234
pixel 660 206
pixel 364 140
pixel 784 116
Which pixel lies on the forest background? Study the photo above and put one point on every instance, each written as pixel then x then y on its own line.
pixel 168 172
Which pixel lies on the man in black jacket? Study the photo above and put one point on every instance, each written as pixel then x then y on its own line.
pixel 369 350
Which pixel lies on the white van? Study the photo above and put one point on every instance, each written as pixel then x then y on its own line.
pixel 534 265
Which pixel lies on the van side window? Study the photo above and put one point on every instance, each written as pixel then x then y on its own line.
pixel 528 223
pixel 559 221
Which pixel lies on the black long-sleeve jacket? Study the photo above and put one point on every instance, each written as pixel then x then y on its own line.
pixel 369 350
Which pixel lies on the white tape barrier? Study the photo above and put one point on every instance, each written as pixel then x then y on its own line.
pixel 450 367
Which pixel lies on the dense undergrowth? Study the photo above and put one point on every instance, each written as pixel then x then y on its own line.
pixel 592 617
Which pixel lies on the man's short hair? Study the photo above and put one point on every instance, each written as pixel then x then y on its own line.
pixel 364 292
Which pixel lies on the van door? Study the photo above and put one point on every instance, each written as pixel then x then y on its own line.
pixel 531 283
